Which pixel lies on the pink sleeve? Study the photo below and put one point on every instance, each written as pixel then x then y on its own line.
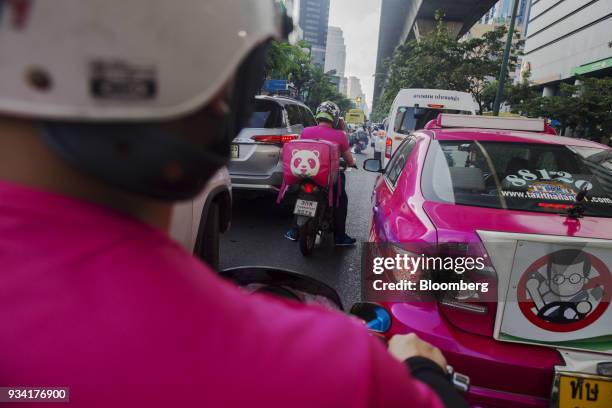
pixel 343 142
pixel 391 385
pixel 305 134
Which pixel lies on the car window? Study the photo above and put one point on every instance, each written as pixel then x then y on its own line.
pixel 309 119
pixel 294 115
pixel 266 114
pixel 404 120
pixel 398 161
pixel 409 119
pixel 519 176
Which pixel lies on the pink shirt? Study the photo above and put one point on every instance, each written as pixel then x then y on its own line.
pixel 112 308
pixel 326 133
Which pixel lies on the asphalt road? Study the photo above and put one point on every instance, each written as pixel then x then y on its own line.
pixel 256 238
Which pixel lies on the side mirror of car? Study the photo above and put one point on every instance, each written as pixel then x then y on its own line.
pixel 376 317
pixel 373 165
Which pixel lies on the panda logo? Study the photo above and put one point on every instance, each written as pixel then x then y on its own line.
pixel 305 163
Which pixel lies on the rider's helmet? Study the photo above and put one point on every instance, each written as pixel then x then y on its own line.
pixel 328 112
pixel 113 87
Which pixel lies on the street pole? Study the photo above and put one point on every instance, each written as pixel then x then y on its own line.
pixel 504 68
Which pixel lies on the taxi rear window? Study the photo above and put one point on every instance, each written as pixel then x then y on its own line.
pixel 519 176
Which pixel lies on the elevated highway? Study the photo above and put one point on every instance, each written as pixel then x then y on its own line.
pixel 402 20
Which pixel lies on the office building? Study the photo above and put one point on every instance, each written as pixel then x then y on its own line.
pixel 501 13
pixel 335 56
pixel 314 17
pixel 293 11
pixel 566 39
pixel 343 86
pixel 354 88
pixel 355 93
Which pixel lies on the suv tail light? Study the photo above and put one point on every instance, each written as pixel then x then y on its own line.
pixel 274 139
pixel 388 146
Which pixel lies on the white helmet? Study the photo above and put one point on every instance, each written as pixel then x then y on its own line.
pixel 97 75
pixel 134 60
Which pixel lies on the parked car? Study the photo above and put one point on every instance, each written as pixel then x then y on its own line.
pixel 379 138
pixel 517 193
pixel 196 224
pixel 256 163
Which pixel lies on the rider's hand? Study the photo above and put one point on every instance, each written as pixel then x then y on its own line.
pixel 403 347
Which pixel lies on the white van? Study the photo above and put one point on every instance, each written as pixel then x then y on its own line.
pixel 413 108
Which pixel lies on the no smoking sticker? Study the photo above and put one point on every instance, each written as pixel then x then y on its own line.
pixel 559 294
pixel 564 291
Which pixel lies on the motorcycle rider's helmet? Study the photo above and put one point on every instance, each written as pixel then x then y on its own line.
pixel 329 112
pixel 107 84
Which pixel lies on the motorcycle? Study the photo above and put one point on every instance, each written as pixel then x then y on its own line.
pixel 304 289
pixel 314 217
pixel 359 146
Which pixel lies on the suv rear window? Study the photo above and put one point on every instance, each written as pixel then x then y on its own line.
pixel 519 176
pixel 266 114
pixel 309 119
pixel 294 115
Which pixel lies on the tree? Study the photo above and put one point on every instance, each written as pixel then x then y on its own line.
pixel 516 95
pixel 585 108
pixel 482 60
pixel 440 61
pixel 291 62
pixel 321 88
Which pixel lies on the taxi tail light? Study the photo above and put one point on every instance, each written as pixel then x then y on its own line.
pixel 274 139
pixel 471 310
pixel 388 146
pixel 397 275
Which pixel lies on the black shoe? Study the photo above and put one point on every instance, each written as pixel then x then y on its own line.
pixel 345 240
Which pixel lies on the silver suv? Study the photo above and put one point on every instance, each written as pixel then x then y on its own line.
pixel 256 152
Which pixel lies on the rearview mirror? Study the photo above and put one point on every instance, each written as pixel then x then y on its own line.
pixel 376 317
pixel 281 282
pixel 419 113
pixel 373 165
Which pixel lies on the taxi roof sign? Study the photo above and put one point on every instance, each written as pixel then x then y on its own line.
pixel 446 120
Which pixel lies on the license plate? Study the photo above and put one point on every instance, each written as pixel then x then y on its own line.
pixel 235 151
pixel 306 208
pixel 576 391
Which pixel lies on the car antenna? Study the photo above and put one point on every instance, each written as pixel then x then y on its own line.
pixel 577 209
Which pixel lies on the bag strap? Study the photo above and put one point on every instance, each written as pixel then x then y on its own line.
pixel 339 190
pixel 282 191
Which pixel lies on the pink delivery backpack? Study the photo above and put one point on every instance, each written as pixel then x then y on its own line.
pixel 316 160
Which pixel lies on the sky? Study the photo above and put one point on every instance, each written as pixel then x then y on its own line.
pixel 359 20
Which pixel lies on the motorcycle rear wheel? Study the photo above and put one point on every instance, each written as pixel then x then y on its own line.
pixel 307 237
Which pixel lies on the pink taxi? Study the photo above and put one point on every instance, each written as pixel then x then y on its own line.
pixel 539 207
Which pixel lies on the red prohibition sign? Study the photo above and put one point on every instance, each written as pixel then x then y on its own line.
pixel 604 279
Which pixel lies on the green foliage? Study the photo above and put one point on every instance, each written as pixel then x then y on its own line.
pixel 321 88
pixel 585 108
pixel 291 62
pixel 440 61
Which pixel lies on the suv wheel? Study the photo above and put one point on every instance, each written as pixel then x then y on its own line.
pixel 207 245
